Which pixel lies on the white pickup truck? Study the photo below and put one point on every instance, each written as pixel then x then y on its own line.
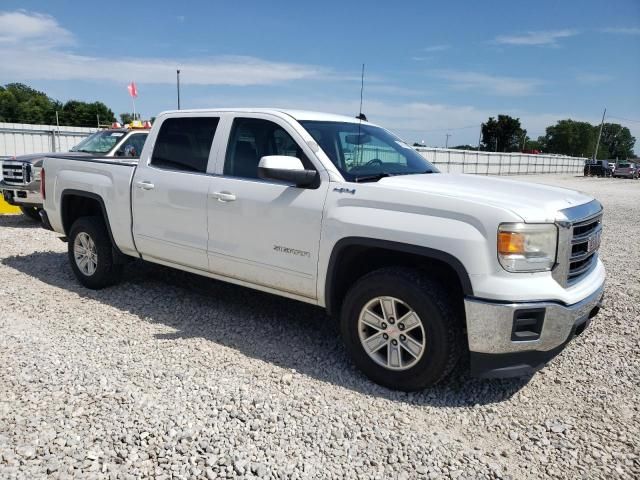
pixel 421 268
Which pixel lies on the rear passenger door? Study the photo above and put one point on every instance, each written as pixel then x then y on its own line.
pixel 263 231
pixel 169 193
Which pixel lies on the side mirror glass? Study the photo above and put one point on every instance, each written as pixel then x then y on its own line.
pixel 286 169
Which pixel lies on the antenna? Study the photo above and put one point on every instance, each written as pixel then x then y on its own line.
pixel 361 116
pixel 361 91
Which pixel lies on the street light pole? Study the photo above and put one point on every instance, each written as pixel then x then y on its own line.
pixel 446 145
pixel 178 83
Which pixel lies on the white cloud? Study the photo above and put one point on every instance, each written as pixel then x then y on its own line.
pixel 437 48
pixel 35 46
pixel 490 84
pixel 548 38
pixel 413 121
pixel 593 78
pixel 622 30
pixel 37 29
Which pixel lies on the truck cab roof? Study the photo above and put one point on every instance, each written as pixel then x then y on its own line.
pixel 299 115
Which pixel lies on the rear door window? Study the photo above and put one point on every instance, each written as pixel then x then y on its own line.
pixel 184 143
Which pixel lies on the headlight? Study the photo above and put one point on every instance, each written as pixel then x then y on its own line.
pixel 526 247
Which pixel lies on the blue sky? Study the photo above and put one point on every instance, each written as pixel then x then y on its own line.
pixel 431 68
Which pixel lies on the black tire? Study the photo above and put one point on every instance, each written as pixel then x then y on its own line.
pixel 441 320
pixel 32 212
pixel 106 272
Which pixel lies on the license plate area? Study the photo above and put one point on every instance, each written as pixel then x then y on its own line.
pixel 594 242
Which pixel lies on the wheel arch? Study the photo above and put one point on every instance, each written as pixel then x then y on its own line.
pixel 346 265
pixel 78 203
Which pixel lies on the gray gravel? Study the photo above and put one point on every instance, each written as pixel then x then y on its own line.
pixel 176 376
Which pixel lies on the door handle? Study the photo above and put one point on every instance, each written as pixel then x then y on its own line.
pixel 223 196
pixel 145 185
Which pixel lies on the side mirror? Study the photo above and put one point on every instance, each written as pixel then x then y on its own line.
pixel 119 153
pixel 286 169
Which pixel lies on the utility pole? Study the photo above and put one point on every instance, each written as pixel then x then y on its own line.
pixel 480 136
pixel 446 144
pixel 178 83
pixel 595 153
pixel 58 127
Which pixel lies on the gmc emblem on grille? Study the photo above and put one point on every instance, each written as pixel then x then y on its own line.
pixel 594 242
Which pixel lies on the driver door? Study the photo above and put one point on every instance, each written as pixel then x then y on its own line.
pixel 263 231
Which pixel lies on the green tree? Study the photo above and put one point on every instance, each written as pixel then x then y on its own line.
pixel 502 135
pixel 83 114
pixel 126 117
pixel 464 147
pixel 20 103
pixel 570 137
pixel 616 142
pixel 532 144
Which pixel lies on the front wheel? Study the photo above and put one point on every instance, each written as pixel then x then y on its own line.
pixel 401 328
pixel 91 254
pixel 32 212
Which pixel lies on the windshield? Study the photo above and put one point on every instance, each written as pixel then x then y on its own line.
pixel 624 165
pixel 364 151
pixel 99 142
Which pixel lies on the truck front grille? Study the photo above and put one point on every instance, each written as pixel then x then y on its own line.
pixel 16 173
pixel 579 231
pixel 585 242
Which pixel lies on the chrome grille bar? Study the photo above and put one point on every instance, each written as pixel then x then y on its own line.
pixel 578 242
pixel 15 173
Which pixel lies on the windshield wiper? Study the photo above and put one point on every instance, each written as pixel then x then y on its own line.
pixel 371 178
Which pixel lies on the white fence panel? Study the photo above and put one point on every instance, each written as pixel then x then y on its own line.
pixel 22 138
pixel 450 160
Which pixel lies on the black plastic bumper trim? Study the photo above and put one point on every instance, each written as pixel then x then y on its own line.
pixel 507 365
pixel 45 220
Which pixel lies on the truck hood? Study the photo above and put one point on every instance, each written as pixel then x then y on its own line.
pixel 532 202
pixel 36 158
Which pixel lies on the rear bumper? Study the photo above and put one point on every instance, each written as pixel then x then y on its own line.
pixel 513 339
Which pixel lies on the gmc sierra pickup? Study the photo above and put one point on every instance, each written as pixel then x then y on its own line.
pixel 421 268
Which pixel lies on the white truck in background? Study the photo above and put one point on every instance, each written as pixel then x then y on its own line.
pixel 20 175
pixel 421 268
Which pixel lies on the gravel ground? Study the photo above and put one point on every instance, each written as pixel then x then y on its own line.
pixel 175 376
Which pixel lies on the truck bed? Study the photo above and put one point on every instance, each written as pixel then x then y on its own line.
pixel 100 177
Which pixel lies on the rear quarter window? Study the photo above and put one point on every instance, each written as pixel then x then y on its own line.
pixel 184 143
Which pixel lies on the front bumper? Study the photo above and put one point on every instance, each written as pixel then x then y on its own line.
pixel 513 339
pixel 21 196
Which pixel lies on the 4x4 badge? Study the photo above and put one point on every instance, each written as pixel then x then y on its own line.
pixel 352 191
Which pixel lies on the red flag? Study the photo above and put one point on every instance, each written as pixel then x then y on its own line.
pixel 133 90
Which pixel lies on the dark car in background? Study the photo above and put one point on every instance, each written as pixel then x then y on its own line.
pixel 599 168
pixel 627 170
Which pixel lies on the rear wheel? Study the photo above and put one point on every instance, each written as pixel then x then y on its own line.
pixel 91 254
pixel 32 212
pixel 401 328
